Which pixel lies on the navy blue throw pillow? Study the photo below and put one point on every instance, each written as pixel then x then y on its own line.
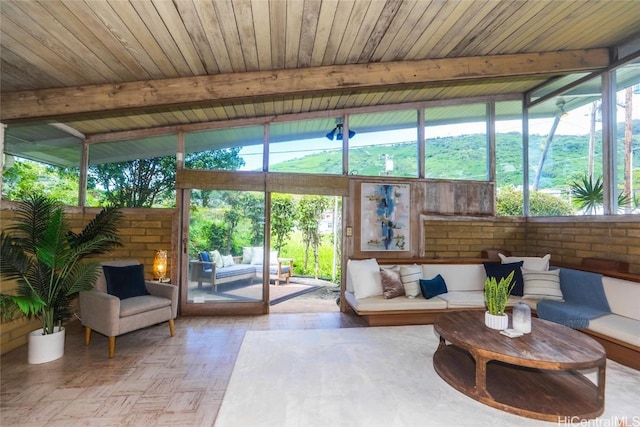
pixel 499 271
pixel 125 282
pixel 433 287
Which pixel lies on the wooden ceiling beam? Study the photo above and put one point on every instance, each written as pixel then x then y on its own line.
pixel 59 102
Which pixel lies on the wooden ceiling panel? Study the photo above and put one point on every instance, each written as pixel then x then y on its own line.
pixel 79 44
pixel 183 14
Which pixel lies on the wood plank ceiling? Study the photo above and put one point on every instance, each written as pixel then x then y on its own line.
pixel 73 44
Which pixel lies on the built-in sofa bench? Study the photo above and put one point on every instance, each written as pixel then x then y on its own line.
pixel 618 332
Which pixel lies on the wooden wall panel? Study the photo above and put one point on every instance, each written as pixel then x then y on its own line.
pixel 428 197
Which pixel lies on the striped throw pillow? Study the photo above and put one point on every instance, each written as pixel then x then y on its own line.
pixel 542 284
pixel 410 276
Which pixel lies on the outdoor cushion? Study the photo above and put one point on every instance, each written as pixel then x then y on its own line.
pixel 234 270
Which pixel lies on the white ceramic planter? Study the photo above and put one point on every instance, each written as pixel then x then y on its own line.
pixel 45 348
pixel 496 322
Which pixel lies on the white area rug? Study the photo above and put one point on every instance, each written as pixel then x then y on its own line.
pixel 372 377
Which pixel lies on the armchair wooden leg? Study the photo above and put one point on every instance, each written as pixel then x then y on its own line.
pixel 87 335
pixel 112 347
pixel 172 327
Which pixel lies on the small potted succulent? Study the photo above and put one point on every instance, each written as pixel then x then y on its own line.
pixel 496 295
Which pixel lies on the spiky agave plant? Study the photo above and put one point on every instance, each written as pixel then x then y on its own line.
pixel 48 260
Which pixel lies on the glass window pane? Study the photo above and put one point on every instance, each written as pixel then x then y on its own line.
pixel 122 174
pixel 218 236
pixel 628 137
pixel 41 157
pixel 304 146
pixel 565 153
pixel 21 177
pixel 138 183
pixel 456 142
pixel 384 144
pixel 238 148
pixel 557 83
pixel 509 173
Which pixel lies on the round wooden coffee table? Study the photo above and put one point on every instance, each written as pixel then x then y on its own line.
pixel 533 376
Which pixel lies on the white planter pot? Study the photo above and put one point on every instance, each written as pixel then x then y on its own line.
pixel 496 322
pixel 45 348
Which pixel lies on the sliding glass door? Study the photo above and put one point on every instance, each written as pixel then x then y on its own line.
pixel 224 237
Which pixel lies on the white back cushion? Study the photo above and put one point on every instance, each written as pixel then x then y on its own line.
pixel 530 262
pixel 623 296
pixel 458 277
pixel 364 276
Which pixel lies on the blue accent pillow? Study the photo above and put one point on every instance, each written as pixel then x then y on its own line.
pixel 205 257
pixel 499 271
pixel 125 282
pixel 433 287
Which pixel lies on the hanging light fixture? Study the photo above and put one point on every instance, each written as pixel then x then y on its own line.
pixel 160 265
pixel 337 132
pixel 560 104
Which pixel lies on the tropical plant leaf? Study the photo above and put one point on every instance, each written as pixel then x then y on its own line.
pixel 44 257
pixel 12 304
pixel 587 194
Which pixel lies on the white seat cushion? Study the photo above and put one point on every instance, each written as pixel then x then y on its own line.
pixel 619 327
pixel 379 303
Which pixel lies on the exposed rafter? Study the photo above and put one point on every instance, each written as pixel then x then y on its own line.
pixel 224 87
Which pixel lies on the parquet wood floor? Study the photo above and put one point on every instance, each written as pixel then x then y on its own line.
pixel 153 380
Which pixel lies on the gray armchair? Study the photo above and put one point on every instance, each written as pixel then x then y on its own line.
pixel 110 316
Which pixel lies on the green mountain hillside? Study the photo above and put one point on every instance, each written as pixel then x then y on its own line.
pixel 450 157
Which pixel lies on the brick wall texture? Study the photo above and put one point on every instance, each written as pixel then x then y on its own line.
pixel 567 239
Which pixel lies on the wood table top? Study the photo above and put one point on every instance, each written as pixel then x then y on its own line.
pixel 548 346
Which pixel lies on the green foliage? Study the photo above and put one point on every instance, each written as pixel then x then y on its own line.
pixel 310 209
pixel 151 182
pixel 47 259
pixel 509 203
pixel 252 207
pixel 589 195
pixel 497 293
pixel 25 177
pixel 136 183
pixel 294 248
pixel 218 237
pixel 283 214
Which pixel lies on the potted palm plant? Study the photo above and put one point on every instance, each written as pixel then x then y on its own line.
pixel 496 295
pixel 48 261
